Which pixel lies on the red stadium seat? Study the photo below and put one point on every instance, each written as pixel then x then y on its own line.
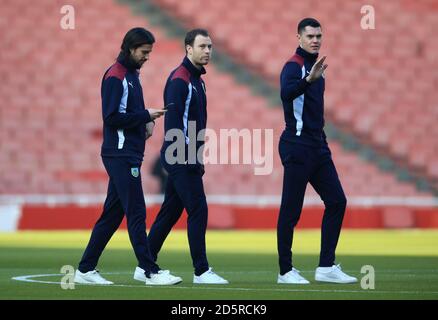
pixel 361 52
pixel 61 109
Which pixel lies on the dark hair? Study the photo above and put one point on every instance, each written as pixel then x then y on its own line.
pixel 134 38
pixel 191 35
pixel 308 22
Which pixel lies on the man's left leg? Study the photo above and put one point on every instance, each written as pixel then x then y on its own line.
pixel 326 183
pixel 129 187
pixel 190 189
pixel 127 179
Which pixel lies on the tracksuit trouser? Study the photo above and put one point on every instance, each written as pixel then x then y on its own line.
pixel 304 164
pixel 184 190
pixel 125 197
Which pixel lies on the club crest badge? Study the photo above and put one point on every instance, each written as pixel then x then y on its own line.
pixel 135 172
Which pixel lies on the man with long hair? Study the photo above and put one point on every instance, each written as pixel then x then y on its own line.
pixel 126 126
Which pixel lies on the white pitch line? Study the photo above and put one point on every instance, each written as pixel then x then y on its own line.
pixel 27 278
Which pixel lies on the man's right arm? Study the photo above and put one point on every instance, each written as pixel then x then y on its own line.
pixel 291 82
pixel 176 98
pixel 112 92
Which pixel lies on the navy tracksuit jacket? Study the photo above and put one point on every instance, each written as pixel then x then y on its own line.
pixel 124 133
pixel 185 95
pixel 306 157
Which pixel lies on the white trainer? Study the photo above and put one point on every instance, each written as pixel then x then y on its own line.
pixel 140 276
pixel 333 274
pixel 162 278
pixel 292 277
pixel 90 277
pixel 209 277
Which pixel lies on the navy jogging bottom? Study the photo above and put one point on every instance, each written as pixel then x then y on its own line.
pixel 125 196
pixel 184 190
pixel 304 164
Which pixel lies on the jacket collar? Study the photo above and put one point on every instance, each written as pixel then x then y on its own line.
pixel 192 69
pixel 306 55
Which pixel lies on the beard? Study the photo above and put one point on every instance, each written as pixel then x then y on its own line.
pixel 134 63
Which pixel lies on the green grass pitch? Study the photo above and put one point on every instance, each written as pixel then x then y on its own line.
pixel 405 264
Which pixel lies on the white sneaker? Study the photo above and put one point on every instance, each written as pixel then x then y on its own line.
pixel 162 278
pixel 140 276
pixel 292 277
pixel 209 277
pixel 333 274
pixel 90 277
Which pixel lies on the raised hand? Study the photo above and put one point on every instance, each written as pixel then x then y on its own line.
pixel 317 70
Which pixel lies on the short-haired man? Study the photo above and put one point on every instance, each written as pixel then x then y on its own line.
pixel 306 158
pixel 185 97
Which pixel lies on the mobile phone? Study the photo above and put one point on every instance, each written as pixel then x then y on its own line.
pixel 168 105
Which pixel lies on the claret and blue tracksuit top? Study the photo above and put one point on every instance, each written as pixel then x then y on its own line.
pixel 303 102
pixel 123 111
pixel 185 94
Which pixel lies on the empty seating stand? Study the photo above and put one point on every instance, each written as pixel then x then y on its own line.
pixel 50 114
pixel 381 83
